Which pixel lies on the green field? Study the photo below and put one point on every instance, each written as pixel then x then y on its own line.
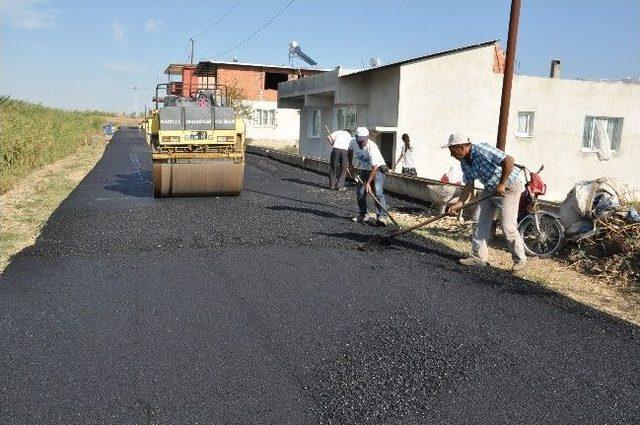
pixel 34 135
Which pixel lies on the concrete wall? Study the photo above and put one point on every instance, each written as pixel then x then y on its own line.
pixel 461 93
pixel 443 95
pixel 315 147
pixel 384 86
pixel 560 107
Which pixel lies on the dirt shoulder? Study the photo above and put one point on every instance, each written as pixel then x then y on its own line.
pixel 28 205
pixel 553 274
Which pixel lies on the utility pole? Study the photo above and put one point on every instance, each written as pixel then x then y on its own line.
pixel 192 47
pixel 135 88
pixel 507 80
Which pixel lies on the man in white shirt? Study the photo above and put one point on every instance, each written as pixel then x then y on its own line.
pixel 371 164
pixel 340 141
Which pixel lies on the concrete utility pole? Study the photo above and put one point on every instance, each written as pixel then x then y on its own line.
pixel 192 47
pixel 507 80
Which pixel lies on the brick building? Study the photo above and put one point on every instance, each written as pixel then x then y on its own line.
pixel 258 84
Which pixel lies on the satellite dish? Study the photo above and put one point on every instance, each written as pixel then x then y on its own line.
pixel 296 51
pixel 375 62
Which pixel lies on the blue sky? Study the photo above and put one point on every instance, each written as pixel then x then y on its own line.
pixel 91 54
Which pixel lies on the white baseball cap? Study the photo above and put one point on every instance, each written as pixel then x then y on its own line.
pixel 457 139
pixel 362 134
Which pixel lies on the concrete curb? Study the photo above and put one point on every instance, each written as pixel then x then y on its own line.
pixel 418 188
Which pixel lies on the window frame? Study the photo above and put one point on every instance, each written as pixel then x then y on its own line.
pixel 531 124
pixel 265 118
pixel 349 108
pixel 617 143
pixel 312 134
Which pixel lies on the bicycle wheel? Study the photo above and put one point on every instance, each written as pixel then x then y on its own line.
pixel 543 234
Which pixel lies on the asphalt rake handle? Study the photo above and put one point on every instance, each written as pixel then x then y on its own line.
pixel 378 240
pixel 377 201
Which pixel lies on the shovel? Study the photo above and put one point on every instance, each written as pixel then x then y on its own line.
pixel 359 181
pixel 378 240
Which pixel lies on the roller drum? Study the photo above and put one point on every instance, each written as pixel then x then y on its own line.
pixel 198 177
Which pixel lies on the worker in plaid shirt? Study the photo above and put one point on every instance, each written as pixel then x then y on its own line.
pixel 497 173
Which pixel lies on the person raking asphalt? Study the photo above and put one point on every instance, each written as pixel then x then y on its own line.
pixel 503 186
pixel 372 167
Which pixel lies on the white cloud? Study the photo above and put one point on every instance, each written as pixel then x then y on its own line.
pixel 125 67
pixel 152 25
pixel 28 14
pixel 118 31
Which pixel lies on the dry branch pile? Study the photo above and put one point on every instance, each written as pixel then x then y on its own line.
pixel 612 253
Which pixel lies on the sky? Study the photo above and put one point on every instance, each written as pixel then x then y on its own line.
pixel 109 55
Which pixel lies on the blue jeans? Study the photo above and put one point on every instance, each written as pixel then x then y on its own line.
pixel 361 192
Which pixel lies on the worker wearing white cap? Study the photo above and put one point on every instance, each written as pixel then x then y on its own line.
pixel 372 166
pixel 497 173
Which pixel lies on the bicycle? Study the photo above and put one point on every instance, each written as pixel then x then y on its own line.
pixel 542 232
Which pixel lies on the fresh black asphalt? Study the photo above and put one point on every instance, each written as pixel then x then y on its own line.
pixel 259 309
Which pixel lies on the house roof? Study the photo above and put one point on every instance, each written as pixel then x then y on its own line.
pixel 176 68
pixel 421 58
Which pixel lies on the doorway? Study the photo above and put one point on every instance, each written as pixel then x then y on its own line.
pixel 388 147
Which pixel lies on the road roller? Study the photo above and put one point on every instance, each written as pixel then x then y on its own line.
pixel 197 143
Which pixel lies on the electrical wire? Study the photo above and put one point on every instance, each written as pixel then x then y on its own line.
pixel 273 18
pixel 212 26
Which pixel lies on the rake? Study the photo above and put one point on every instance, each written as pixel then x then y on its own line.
pixel 377 241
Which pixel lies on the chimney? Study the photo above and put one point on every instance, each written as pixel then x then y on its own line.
pixel 555 69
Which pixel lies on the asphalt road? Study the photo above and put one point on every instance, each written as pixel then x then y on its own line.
pixel 259 309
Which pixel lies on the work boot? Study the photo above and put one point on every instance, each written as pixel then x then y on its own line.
pixel 518 265
pixel 472 261
pixel 381 221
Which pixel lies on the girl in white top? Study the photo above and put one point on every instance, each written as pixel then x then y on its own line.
pixel 406 156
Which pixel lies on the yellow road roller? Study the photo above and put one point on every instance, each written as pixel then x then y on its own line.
pixel 197 143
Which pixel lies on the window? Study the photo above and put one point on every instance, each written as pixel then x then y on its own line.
pixel 346 117
pixel 525 124
pixel 315 122
pixel 271 80
pixel 265 118
pixel 599 130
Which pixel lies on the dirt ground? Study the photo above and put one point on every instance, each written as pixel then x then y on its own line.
pixel 551 273
pixel 27 207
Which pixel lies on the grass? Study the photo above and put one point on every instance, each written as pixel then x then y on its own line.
pixel 33 135
pixel 548 272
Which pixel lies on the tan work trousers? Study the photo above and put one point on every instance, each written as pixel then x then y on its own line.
pixel 508 206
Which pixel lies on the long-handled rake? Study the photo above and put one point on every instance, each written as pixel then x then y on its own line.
pixel 377 241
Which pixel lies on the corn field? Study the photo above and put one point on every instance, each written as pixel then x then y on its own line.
pixel 33 135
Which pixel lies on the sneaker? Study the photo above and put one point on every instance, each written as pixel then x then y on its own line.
pixel 472 261
pixel 519 265
pixel 364 219
pixel 342 189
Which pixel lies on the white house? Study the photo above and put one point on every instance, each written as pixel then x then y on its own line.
pixel 556 122
pixel 257 84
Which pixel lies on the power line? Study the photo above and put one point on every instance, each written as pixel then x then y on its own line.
pixel 210 27
pixel 273 18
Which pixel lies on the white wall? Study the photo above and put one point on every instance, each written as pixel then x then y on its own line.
pixel 315 147
pixel 440 96
pixel 461 93
pixel 560 107
pixel 285 133
pixel 384 86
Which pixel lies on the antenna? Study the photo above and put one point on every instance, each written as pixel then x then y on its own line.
pixel 296 51
pixel 375 62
